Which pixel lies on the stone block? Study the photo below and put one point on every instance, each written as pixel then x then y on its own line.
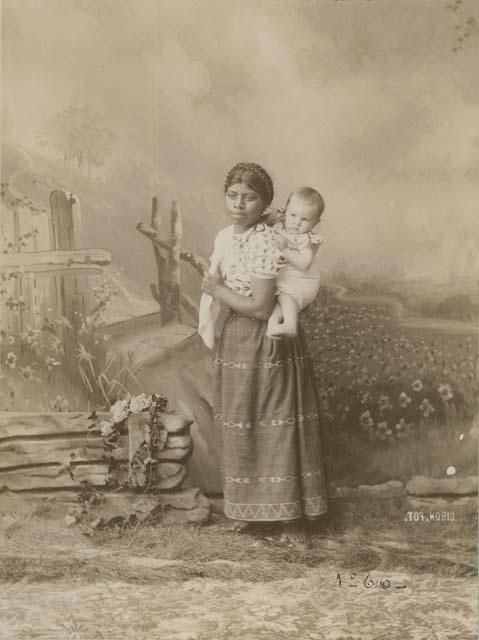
pixel 423 486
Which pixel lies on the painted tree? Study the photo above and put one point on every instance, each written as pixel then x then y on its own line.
pixel 80 135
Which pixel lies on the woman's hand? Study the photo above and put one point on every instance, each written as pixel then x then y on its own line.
pixel 211 282
pixel 280 241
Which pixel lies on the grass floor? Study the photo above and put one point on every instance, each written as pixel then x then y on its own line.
pixel 363 534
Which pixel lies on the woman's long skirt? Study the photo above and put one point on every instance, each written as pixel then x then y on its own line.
pixel 266 414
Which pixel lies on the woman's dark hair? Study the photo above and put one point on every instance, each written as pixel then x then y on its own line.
pixel 255 177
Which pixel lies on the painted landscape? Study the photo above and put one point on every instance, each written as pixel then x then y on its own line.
pixel 125 144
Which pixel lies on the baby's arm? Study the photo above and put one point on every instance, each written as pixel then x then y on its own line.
pixel 300 259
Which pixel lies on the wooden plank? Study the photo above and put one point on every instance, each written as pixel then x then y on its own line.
pixel 33 451
pixel 63 229
pixel 53 477
pixel 167 476
pixel 53 260
pixel 41 223
pixel 19 423
pixel 14 424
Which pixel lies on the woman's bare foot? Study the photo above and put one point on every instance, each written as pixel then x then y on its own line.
pixel 239 525
pixel 294 532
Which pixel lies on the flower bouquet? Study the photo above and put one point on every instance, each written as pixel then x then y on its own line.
pixel 154 436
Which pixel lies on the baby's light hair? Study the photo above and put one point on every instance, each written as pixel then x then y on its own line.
pixel 311 196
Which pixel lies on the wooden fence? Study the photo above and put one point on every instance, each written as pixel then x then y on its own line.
pixel 44 270
pixel 168 255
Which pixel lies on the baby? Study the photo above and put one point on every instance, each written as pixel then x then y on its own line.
pixel 298 280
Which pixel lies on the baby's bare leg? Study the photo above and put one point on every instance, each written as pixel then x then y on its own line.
pixel 289 326
pixel 275 319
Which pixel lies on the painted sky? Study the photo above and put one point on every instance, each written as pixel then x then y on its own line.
pixel 363 99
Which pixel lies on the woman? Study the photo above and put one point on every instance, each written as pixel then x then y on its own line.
pixel 264 400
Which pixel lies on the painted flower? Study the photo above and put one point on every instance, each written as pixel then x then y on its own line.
pixel 11 360
pixel 403 429
pixel 55 344
pixel 60 404
pixel 365 398
pixel 383 431
pixel 427 408
pixel 384 403
pixel 51 362
pixel 404 399
pixel 27 373
pixel 445 392
pixel 417 385
pixel 366 420
pixel 30 335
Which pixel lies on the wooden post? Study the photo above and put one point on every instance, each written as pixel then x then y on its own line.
pixel 176 233
pixel 168 256
pixel 64 230
pixel 159 259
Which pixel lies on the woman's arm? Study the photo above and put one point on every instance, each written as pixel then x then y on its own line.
pixel 259 305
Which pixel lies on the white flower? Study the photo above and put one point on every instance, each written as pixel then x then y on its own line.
pixel 11 360
pixel 445 392
pixel 106 428
pixel 426 407
pixel 139 403
pixel 404 399
pixel 417 385
pixel 120 410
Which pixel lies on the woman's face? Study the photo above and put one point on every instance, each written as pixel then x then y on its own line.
pixel 244 205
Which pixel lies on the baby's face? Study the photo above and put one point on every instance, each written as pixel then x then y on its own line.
pixel 301 217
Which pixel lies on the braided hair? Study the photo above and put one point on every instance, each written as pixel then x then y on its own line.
pixel 255 177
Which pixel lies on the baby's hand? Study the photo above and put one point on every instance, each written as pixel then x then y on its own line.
pixel 273 216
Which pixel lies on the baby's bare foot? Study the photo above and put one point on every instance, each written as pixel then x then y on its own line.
pixel 279 330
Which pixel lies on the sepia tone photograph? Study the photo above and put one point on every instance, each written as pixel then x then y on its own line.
pixel 239 319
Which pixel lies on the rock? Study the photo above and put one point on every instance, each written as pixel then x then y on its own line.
pixel 422 486
pixel 441 504
pixel 186 499
pixel 167 475
pixel 345 492
pixel 175 422
pixel 217 505
pixel 178 453
pixel 188 506
pixel 183 441
pixel 200 515
pixel 389 489
pixel 70 520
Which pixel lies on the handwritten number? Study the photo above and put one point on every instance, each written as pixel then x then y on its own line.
pixel 368 582
pixel 338 579
pixel 385 584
